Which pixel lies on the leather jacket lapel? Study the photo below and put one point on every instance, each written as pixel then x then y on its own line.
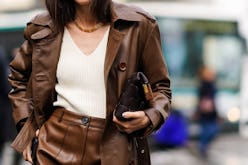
pixel 114 42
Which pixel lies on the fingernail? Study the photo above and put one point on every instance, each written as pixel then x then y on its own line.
pixel 124 115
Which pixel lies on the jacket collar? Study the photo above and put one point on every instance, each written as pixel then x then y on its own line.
pixel 123 12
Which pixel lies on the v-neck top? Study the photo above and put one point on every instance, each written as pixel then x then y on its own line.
pixel 80 78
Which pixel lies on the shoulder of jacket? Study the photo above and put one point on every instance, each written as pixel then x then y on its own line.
pixel 42 19
pixel 143 12
pixel 39 26
pixel 132 12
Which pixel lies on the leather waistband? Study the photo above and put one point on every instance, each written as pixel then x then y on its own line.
pixel 65 115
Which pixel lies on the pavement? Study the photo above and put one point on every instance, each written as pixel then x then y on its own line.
pixel 227 149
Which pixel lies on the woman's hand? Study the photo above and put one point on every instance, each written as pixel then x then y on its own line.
pixel 27 152
pixel 138 121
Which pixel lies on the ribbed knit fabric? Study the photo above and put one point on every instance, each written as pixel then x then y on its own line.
pixel 80 85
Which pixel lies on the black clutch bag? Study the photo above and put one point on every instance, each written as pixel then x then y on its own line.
pixel 136 95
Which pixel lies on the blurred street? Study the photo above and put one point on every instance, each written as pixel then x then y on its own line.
pixel 227 149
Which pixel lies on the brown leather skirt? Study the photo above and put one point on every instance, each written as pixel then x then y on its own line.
pixel 69 138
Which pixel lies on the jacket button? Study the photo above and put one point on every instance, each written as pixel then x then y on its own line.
pixel 85 120
pixel 122 66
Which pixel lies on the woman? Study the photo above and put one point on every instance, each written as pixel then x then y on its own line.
pixel 67 78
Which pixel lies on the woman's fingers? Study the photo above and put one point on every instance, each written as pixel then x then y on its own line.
pixel 136 114
pixel 138 121
pixel 27 153
pixel 37 132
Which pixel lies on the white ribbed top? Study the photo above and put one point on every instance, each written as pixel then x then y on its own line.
pixel 80 86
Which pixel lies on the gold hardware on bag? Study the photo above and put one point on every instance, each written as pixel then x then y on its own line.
pixel 147 91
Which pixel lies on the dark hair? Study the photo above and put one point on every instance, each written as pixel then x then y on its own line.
pixel 63 11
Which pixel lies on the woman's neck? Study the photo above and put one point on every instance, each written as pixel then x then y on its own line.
pixel 85 16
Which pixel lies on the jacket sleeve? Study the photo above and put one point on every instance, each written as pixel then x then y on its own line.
pixel 19 78
pixel 154 66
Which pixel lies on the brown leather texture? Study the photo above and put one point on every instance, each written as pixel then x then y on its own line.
pixel 68 138
pixel 133 45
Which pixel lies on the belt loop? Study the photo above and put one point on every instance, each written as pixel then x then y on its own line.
pixel 61 116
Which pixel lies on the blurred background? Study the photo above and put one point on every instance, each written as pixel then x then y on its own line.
pixel 195 34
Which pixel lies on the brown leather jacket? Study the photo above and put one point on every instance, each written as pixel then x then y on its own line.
pixel 133 45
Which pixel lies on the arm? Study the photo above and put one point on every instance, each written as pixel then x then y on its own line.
pixel 154 67
pixel 152 64
pixel 20 68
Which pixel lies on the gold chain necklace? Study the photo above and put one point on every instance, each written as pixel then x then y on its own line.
pixel 96 27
